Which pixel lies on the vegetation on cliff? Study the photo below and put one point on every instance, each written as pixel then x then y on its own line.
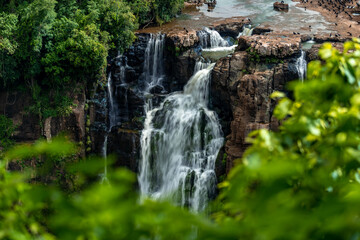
pixel 301 182
pixel 50 46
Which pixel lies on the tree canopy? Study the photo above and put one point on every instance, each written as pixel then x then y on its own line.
pixel 49 46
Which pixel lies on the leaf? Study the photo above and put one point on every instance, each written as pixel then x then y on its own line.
pixel 277 94
pixel 283 108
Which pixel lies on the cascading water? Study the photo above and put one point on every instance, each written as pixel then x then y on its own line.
pixel 301 66
pixel 211 38
pixel 180 143
pixel 112 119
pixel 153 72
pixel 112 104
pixel 181 139
pixel 247 31
pixel 113 110
pixel 213 45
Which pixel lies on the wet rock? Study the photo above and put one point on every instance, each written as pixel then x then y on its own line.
pixel 179 69
pixel 124 145
pixel 261 30
pixel 231 26
pixel 280 6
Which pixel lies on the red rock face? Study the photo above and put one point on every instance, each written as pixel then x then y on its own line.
pixel 246 85
pixel 242 85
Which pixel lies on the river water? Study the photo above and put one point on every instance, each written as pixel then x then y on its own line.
pixel 260 12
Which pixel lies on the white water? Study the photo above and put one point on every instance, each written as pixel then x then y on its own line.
pixel 112 104
pixel 153 72
pixel 301 66
pixel 216 53
pixel 104 178
pixel 211 38
pixel 180 143
pixel 246 32
pixel 182 137
pixel 113 108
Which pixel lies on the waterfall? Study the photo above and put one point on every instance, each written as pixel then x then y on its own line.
pixel 153 72
pixel 113 108
pixel 104 178
pixel 246 31
pixel 112 104
pixel 301 66
pixel 181 137
pixel 199 65
pixel 180 143
pixel 211 38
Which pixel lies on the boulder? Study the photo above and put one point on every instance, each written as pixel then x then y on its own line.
pixel 231 26
pixel 183 39
pixel 280 6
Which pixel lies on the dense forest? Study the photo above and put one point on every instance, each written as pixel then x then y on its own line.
pixel 299 182
pixel 46 46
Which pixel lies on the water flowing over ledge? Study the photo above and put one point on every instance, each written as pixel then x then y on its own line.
pixel 180 143
pixel 301 66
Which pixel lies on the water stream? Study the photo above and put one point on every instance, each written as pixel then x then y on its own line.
pixel 180 143
pixel 247 31
pixel 181 139
pixel 112 120
pixel 211 38
pixel 301 66
pixel 114 108
pixel 153 72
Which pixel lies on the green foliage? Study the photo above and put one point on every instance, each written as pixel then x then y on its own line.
pixel 21 204
pixel 167 9
pixel 160 10
pixel 7 128
pixel 116 18
pixel 8 27
pixel 77 53
pixel 8 46
pixel 100 211
pixel 35 24
pixel 51 46
pixel 303 182
pixel 254 56
pixel 142 10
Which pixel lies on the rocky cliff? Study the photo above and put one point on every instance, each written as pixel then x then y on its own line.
pixel 240 93
pixel 242 85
